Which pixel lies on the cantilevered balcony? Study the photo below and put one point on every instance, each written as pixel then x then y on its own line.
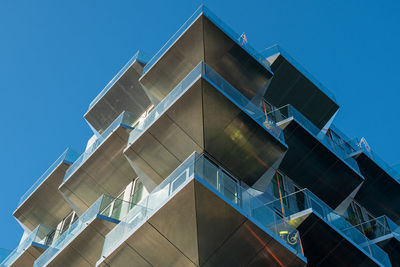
pixel 205 113
pixel 81 243
pixel 204 37
pixel 381 181
pixel 43 203
pixel 292 84
pixel 313 160
pixel 386 234
pixel 122 93
pixel 201 216
pixel 328 239
pixel 102 168
pixel 30 249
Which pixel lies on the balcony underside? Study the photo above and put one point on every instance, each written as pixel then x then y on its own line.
pixel 382 186
pixel 106 171
pixel 127 94
pixel 310 164
pixel 85 249
pixel 46 205
pixel 28 257
pixel 391 244
pixel 290 86
pixel 203 119
pixel 204 41
pixel 324 246
pixel 196 227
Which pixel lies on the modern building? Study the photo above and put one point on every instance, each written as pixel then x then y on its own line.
pixel 211 153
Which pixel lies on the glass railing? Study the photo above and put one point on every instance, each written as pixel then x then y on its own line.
pixel 107 207
pixel 202 69
pixel 305 199
pixel 289 111
pixel 355 145
pixel 4 253
pixel 379 227
pixel 125 119
pixel 165 104
pixel 270 51
pixel 244 103
pixel 219 23
pixel 211 175
pixel 41 236
pixel 139 56
pixel 69 156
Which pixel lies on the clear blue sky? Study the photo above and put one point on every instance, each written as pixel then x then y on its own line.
pixel 55 57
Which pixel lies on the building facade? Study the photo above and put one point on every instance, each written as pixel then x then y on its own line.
pixel 210 153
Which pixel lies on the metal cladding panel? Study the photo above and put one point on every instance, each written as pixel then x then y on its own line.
pixel 177 62
pixel 380 192
pixel 204 41
pixel 106 171
pixel 198 228
pixel 233 62
pixel 28 257
pixel 310 164
pixel 215 125
pixel 235 140
pixel 46 205
pixel 324 246
pixel 85 249
pixel 290 86
pixel 127 94
pixel 171 138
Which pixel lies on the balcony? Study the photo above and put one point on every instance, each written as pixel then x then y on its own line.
pixel 386 234
pixel 328 239
pixel 43 203
pixel 380 180
pixel 122 93
pixel 30 249
pixel 81 243
pixel 204 37
pixel 292 84
pixel 314 160
pixel 205 113
pixel 102 168
pixel 201 216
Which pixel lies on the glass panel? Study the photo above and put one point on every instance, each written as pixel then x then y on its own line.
pixel 113 208
pixel 219 23
pixel 69 156
pixel 139 56
pixel 277 49
pixel 125 119
pixel 357 146
pixel 289 111
pixel 38 236
pixel 219 180
pixel 308 200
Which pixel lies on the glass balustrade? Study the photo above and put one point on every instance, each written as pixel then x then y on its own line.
pixel 288 111
pixel 355 145
pixel 219 23
pixel 41 236
pixel 69 156
pixel 304 199
pixel 139 56
pixel 205 71
pixel 201 168
pixel 106 207
pixel 125 119
pixel 379 227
